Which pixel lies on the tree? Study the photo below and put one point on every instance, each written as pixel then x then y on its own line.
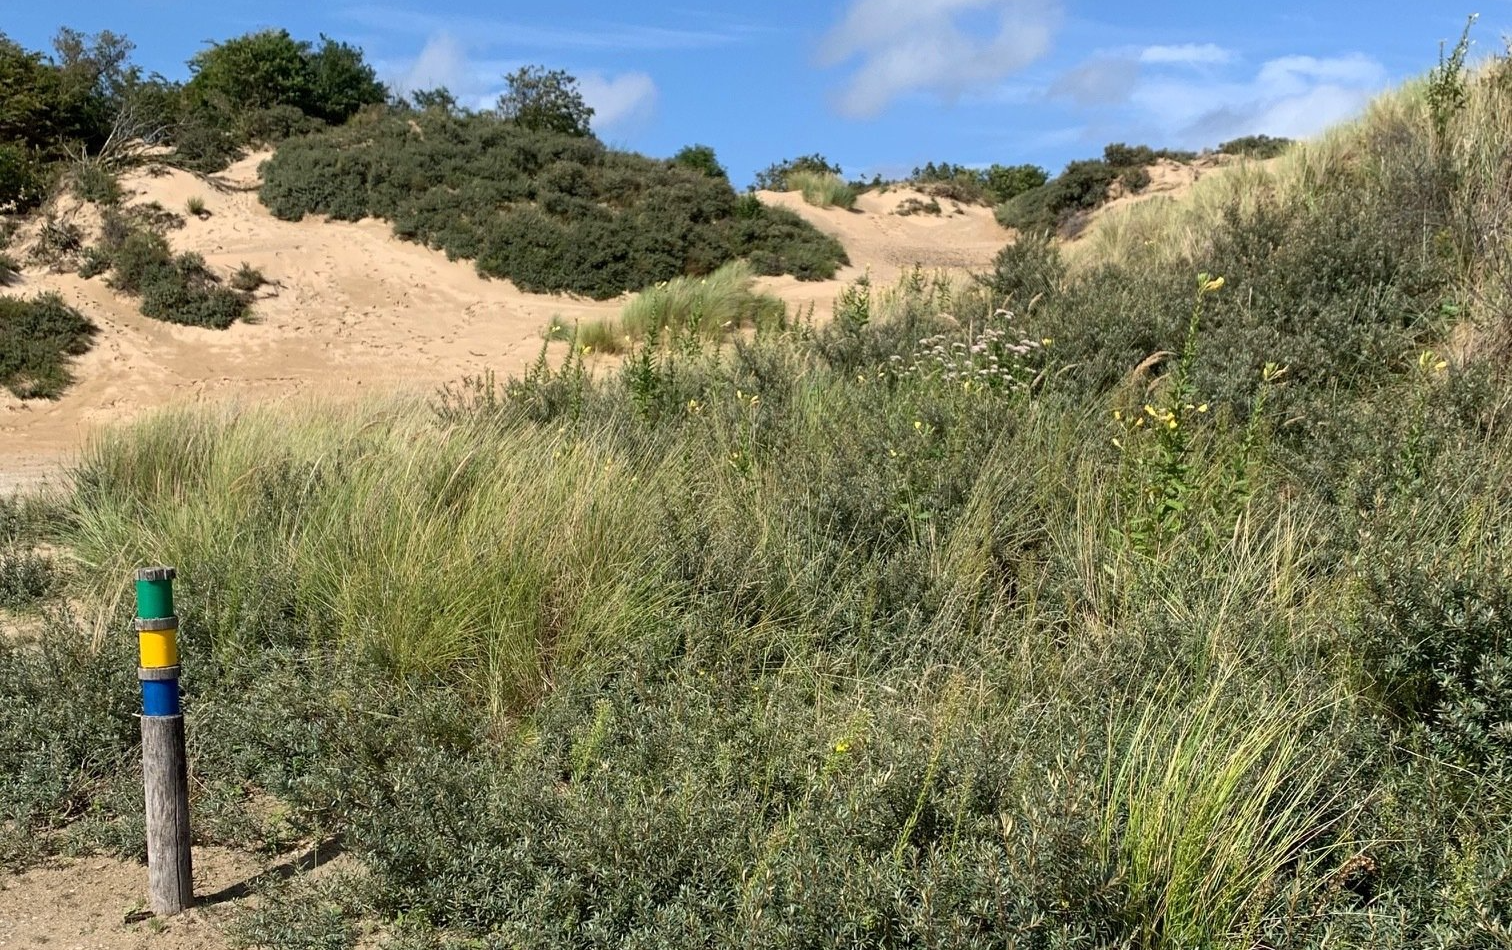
pixel 272 70
pixel 545 100
pixel 1006 182
pixel 341 82
pixel 700 158
pixel 439 99
pixel 255 71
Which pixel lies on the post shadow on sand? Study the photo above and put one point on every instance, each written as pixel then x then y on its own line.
pixel 317 854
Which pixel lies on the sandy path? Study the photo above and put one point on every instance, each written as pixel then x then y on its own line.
pixel 100 903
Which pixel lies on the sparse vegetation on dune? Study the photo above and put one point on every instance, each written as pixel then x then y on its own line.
pixel 1158 597
pixel 550 211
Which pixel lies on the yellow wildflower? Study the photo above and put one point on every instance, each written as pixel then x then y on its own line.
pixel 842 746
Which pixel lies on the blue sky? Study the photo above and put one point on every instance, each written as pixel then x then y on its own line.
pixel 875 85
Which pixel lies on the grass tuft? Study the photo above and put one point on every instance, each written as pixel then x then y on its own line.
pixel 822 189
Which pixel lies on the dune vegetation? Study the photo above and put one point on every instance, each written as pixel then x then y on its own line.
pixel 1159 597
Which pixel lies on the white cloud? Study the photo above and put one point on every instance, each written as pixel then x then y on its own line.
pixel 443 62
pixel 1151 95
pixel 618 101
pixel 943 46
pixel 1187 54
pixel 585 36
pixel 1293 96
pixel 1106 80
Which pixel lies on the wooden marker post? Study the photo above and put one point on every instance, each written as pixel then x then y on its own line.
pixel 165 774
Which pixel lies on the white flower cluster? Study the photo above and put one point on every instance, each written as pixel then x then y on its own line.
pixel 990 356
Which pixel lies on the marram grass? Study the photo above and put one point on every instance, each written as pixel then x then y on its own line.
pixel 502 560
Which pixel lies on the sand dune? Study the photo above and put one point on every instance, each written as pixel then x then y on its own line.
pixel 353 309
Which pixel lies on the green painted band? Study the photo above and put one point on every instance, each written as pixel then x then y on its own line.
pixel 157 623
pixel 154 599
pixel 157 675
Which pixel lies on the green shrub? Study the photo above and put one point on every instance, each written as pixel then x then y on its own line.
pixel 822 190
pixel 1080 188
pixel 1029 268
pixel 915 206
pixel 37 337
pixel 10 270
pixel 700 158
pixel 549 212
pixel 196 207
pixel 178 289
pixel 248 279
pixel 92 181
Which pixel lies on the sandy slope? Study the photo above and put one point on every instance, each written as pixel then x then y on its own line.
pixel 354 309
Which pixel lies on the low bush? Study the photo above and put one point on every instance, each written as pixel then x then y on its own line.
pixel 248 279
pixel 10 270
pixel 176 289
pixel 913 206
pixel 92 181
pixel 550 212
pixel 37 338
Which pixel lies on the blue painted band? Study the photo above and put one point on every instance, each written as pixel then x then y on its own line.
pixel 160 698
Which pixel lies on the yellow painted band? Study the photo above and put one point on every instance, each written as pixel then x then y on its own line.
pixel 159 648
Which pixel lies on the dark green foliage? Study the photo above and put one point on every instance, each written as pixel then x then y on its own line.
pixel 341 82
pixel 549 211
pixel 700 158
pixel 46 108
pixel 774 176
pixel 543 100
pixel 10 269
pixel 37 337
pixel 1061 204
pixel 1006 182
pixel 24 180
pixel 1255 146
